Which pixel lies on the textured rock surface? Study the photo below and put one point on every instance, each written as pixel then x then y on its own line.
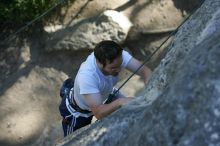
pixel 154 16
pixel 185 89
pixel 30 77
pixel 110 25
pixel 34 107
pixel 188 36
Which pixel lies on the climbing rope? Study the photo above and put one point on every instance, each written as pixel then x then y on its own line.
pixel 154 52
pixel 12 36
pixel 145 61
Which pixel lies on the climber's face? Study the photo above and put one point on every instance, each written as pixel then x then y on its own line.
pixel 112 68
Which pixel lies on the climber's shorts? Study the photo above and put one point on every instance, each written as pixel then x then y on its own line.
pixel 69 122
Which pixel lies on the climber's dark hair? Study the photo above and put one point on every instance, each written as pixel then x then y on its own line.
pixel 107 51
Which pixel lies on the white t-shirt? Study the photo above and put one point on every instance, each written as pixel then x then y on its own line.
pixel 90 79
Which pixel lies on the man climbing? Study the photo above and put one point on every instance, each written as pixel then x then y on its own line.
pixel 88 95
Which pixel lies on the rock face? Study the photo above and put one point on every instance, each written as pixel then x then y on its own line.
pixel 30 77
pixel 181 104
pixel 110 25
pixel 24 115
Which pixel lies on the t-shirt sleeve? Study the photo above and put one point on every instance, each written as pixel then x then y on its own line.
pixel 126 58
pixel 88 84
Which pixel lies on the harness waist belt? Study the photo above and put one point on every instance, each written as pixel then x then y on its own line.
pixel 74 105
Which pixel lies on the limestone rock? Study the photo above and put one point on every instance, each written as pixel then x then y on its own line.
pixel 29 106
pixel 181 104
pixel 110 25
pixel 152 16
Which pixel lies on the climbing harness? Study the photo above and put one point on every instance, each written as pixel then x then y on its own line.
pixel 66 91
